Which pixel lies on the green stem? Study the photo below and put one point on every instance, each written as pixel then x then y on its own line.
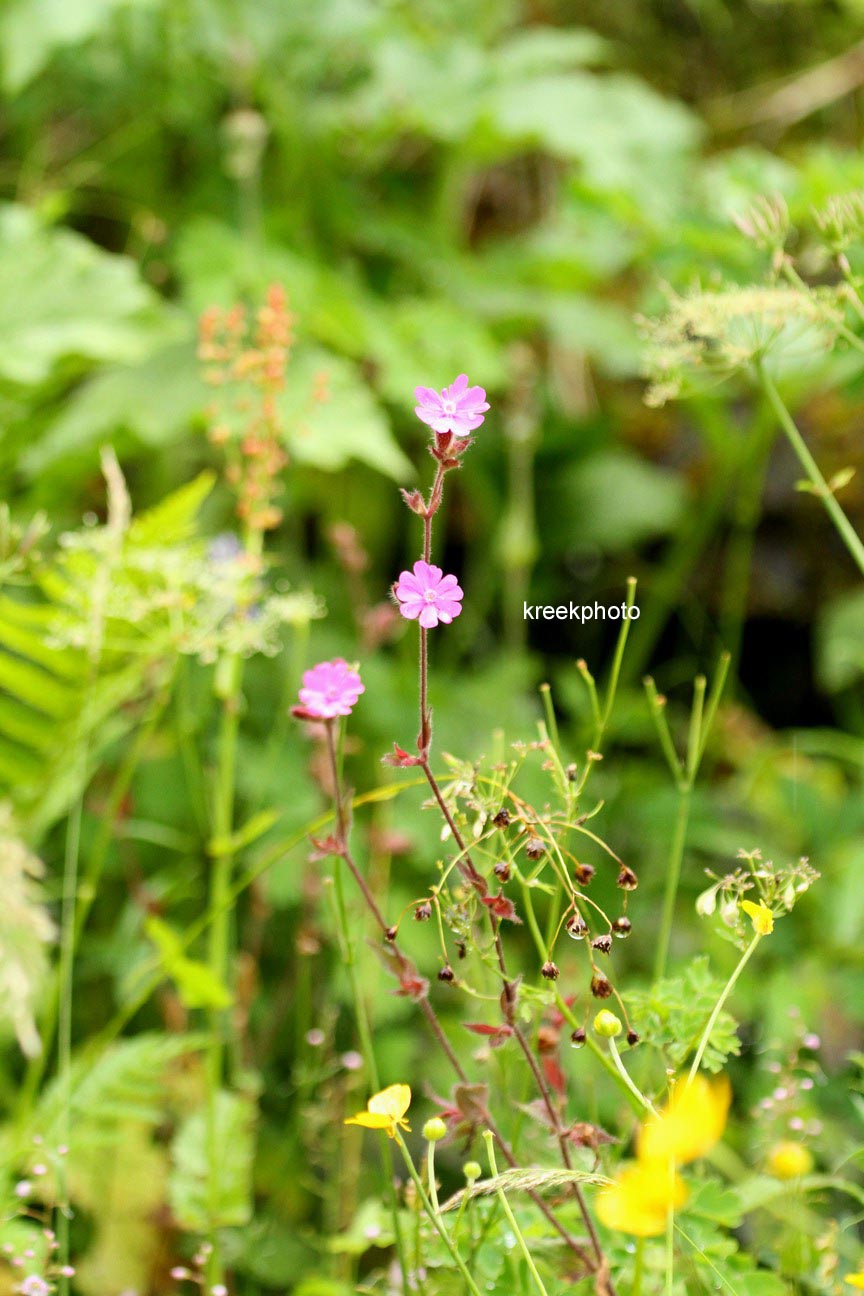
pixel 511 1218
pixel 430 1174
pixel 844 527
pixel 625 1076
pixel 673 877
pixel 436 1219
pixel 638 1267
pixel 718 1007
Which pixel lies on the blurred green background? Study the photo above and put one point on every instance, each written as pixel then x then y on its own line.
pixel 456 185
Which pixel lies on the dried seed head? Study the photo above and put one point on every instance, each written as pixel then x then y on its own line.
pixel 576 927
pixel 446 973
pixel 423 912
pixel 622 927
pixel 627 879
pixel 461 950
pixel 571 771
pixel 602 943
pixel 632 1038
pixel 502 871
pixel 535 848
pixel 550 971
pixel 391 933
pixel 584 873
pixel 502 819
pixel 577 1039
pixel 601 986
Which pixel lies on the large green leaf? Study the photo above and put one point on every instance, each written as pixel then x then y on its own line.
pixel 201 1200
pixel 31 31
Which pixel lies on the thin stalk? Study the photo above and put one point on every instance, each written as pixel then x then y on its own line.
pixel 638 1267
pixel 436 1218
pixel 644 1103
pixel 844 527
pixel 511 1218
pixel 430 1174
pixel 673 878
pixel 718 1007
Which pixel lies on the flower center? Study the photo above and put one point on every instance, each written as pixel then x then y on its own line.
pixel 449 406
pixel 430 595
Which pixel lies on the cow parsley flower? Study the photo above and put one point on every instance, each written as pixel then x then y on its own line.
pixel 458 408
pixel 428 596
pixel 329 689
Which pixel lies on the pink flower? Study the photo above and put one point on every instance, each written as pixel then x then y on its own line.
pixel 329 689
pixel 458 408
pixel 428 596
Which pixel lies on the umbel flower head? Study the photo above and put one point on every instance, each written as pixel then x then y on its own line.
pixel 385 1110
pixel 426 595
pixel 329 689
pixel 458 409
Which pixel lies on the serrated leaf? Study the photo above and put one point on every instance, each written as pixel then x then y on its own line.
pixel 674 1012
pixel 201 1200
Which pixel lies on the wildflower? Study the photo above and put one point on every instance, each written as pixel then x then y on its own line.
pixel 33 1285
pixel 458 408
pixel 385 1111
pixel 640 1199
pixel 691 1123
pixel 855 1280
pixel 434 1130
pixel 760 915
pixel 428 596
pixel 329 689
pixel 788 1160
pixel 607 1024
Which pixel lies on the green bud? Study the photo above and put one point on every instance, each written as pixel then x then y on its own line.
pixel 607 1024
pixel 434 1129
pixel 471 1171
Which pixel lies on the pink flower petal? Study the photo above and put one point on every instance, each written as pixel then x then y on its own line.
pixel 411 611
pixel 428 396
pixel 430 616
pixel 409 582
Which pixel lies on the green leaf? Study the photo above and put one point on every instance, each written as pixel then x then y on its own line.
pixel 674 1012
pixel 195 1206
pixel 197 985
pixel 615 500
pixel 62 297
pixel 250 832
pixel 31 30
pixel 840 642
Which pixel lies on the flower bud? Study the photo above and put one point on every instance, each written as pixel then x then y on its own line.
pixel 788 1160
pixel 550 971
pixel 535 848
pixel 607 1024
pixel 471 1171
pixel 601 986
pixel 434 1129
pixel 584 873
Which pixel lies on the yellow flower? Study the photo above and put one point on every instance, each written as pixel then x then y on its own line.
pixel 385 1110
pixel 691 1123
pixel 760 915
pixel 640 1199
pixel 855 1280
pixel 788 1160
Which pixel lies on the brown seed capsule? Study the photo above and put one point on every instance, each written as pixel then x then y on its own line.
pixel 576 927
pixel 584 873
pixel 602 943
pixel 627 879
pixel 571 771
pixel 502 871
pixel 577 1039
pixel 423 912
pixel 502 819
pixel 622 926
pixel 462 951
pixel 632 1038
pixel 550 971
pixel 391 933
pixel 601 986
pixel 535 848
pixel 446 973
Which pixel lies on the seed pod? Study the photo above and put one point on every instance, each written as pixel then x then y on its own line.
pixel 571 771
pixel 577 1039
pixel 446 973
pixel 622 927
pixel 461 950
pixel 535 848
pixel 576 927
pixel 601 986
pixel 391 933
pixel 627 879
pixel 423 912
pixel 584 873
pixel 602 943
pixel 502 871
pixel 550 971
pixel 502 819
pixel 632 1038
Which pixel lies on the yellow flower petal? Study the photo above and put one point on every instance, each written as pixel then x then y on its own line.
pixel 691 1123
pixel 855 1280
pixel 760 915
pixel 789 1160
pixel 640 1199
pixel 385 1110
